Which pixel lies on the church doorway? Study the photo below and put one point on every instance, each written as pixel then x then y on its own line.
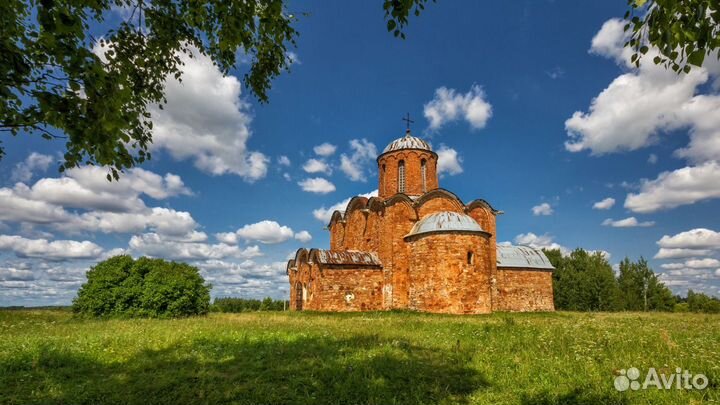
pixel 298 297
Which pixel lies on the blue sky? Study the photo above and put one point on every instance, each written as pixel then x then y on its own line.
pixel 532 106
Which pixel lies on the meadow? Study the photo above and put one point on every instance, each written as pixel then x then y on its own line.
pixel 49 357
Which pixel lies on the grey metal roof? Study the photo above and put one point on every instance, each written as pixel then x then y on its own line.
pixel 445 221
pixel 522 256
pixel 407 142
pixel 345 257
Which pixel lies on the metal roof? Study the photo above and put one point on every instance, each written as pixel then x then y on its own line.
pixel 352 257
pixel 522 256
pixel 445 221
pixel 407 142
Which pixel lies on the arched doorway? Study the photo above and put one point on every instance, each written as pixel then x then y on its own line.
pixel 298 297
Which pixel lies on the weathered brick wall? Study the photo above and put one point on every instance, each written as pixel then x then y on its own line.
pixel 393 252
pixel 355 227
pixel 337 235
pixel 523 290
pixel 440 278
pixel 347 289
pixel 388 172
pixel 487 220
pixel 440 203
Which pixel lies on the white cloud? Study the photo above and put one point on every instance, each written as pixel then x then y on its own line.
pixel 303 236
pixel 13 274
pixel 165 221
pixel 24 170
pixel 325 149
pixel 265 232
pixel 630 222
pixel 228 238
pixel 323 214
pixel 542 209
pixel 637 105
pixel 317 166
pixel 699 238
pixel 667 253
pixel 706 263
pixel 448 161
pixel 317 185
pixel 87 188
pixel 354 165
pixel 152 244
pixel 283 160
pixel 652 159
pixel 448 106
pixel 205 120
pixel 49 250
pixel 540 242
pixel 605 204
pixel 673 189
pixel 692 243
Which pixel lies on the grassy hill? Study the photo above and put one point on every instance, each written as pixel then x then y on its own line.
pixel 46 356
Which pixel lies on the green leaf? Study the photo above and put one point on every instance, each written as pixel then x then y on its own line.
pixel 391 24
pixel 696 58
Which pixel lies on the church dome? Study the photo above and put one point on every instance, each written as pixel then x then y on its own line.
pixel 445 221
pixel 407 142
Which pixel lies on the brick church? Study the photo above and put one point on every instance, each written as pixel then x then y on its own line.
pixel 417 246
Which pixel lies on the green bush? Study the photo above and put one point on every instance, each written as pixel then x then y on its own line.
pixel 121 286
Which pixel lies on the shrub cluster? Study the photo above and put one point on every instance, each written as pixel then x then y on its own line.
pixel 121 286
pixel 229 304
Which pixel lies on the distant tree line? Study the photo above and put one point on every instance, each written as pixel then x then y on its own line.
pixel 230 304
pixel 585 281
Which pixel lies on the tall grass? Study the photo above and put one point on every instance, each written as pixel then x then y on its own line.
pixel 48 357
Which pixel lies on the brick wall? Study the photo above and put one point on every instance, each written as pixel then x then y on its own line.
pixel 523 290
pixel 336 288
pixel 440 278
pixel 388 172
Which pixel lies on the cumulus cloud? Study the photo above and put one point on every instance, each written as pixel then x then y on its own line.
pixel 630 222
pixel 669 253
pixel 448 105
pixel 679 187
pixel 693 243
pixel 353 166
pixel 698 238
pixel 325 149
pixel 265 232
pixel 540 242
pixel 542 209
pixel 323 214
pixel 35 162
pixel 317 185
pixel 303 236
pixel 155 245
pixel 448 161
pixel 206 121
pixel 49 250
pixel 102 206
pixel 604 204
pixel 283 160
pixel 317 166
pixel 13 274
pixel 706 263
pixel 638 105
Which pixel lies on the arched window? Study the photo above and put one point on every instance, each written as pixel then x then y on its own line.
pixel 470 258
pixel 422 172
pixel 401 176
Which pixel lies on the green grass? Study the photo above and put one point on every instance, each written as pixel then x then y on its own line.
pixel 47 357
